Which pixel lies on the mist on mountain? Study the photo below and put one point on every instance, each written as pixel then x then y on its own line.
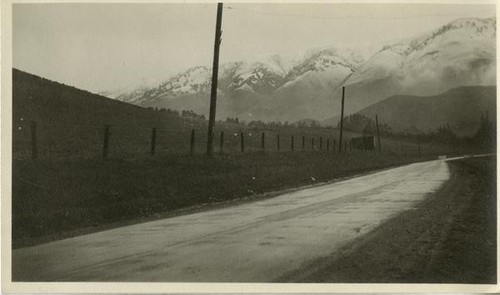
pixel 278 88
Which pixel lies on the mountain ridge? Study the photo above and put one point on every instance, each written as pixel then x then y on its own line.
pixel 269 88
pixel 459 108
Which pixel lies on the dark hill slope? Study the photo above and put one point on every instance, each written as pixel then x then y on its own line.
pixel 70 121
pixel 460 107
pixel 37 98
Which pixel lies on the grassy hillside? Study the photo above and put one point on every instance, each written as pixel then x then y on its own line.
pixel 70 190
pixel 71 125
pixel 71 121
pixel 461 108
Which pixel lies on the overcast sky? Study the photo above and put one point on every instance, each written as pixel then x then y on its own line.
pixel 107 46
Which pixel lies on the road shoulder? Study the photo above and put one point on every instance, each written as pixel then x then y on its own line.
pixel 448 238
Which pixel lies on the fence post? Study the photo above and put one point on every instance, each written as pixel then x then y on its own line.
pixel 312 143
pixel 418 146
pixel 328 144
pixel 263 141
pixel 320 142
pixel 242 139
pixel 303 143
pixel 334 145
pixel 378 135
pixel 278 141
pixel 341 120
pixel 153 141
pixel 292 143
pixel 34 146
pixel 191 145
pixel 105 146
pixel 221 141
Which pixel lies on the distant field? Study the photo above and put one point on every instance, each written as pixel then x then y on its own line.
pixel 129 140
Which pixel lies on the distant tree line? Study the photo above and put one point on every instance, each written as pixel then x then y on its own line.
pixel 486 133
pixel 184 113
pixel 259 124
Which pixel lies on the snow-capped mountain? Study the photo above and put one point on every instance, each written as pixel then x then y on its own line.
pixel 461 53
pixel 191 81
pixel 272 87
pixel 471 42
pixel 138 88
pixel 260 76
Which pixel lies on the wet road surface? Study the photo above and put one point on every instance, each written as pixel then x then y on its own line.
pixel 253 242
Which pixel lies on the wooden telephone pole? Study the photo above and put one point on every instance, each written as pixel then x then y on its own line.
pixel 215 72
pixel 341 120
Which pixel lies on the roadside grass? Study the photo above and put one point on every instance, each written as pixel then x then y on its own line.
pixel 57 199
pixel 469 252
pixel 448 238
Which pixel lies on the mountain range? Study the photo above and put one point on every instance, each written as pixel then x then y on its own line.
pixel 276 88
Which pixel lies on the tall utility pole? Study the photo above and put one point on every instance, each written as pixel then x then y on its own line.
pixel 215 73
pixel 378 135
pixel 341 120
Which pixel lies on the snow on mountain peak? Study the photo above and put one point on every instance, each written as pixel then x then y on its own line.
pixel 465 39
pixel 462 52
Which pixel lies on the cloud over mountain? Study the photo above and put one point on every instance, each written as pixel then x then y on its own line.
pixel 270 88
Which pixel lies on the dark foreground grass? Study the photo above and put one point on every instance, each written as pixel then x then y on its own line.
pixel 468 253
pixel 57 199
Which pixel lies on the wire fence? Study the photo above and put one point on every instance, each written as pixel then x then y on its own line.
pixel 51 140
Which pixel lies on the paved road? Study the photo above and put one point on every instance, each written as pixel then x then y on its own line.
pixel 253 242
